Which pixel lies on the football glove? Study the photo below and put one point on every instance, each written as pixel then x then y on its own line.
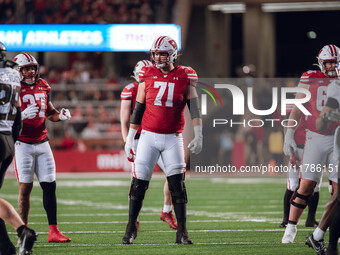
pixel 332 115
pixel 64 114
pixel 129 145
pixel 30 112
pixel 195 145
pixel 295 161
pixel 289 145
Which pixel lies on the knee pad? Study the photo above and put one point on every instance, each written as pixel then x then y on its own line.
pixel 177 189
pixel 301 206
pixel 48 187
pixel 138 189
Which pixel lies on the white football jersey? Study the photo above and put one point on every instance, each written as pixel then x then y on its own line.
pixel 9 96
pixel 333 90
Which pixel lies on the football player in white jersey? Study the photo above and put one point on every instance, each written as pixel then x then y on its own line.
pixel 128 101
pixel 10 128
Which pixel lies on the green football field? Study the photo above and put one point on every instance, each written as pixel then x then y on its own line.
pixel 225 216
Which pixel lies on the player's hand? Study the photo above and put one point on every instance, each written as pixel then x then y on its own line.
pixel 64 114
pixel 30 112
pixel 195 145
pixel 130 152
pixel 332 115
pixel 295 161
pixel 129 145
pixel 289 145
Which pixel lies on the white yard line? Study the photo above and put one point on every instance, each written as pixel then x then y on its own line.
pixel 158 244
pixel 172 231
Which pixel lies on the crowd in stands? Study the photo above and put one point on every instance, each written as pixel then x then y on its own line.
pixel 81 11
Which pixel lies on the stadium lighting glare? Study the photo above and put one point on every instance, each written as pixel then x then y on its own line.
pixel 300 6
pixel 228 8
pixel 278 7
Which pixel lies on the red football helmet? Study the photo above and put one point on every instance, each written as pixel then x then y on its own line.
pixel 25 60
pixel 328 53
pixel 164 44
pixel 138 67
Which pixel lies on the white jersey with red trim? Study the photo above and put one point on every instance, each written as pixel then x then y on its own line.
pixel 34 130
pixel 333 90
pixel 165 98
pixel 316 82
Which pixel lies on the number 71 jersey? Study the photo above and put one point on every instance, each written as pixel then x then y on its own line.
pixel 34 130
pixel 166 96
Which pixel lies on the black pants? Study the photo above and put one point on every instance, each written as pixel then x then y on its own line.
pixel 6 154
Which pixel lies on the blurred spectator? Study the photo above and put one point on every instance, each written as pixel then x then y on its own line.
pixel 72 97
pixel 251 148
pixel 53 77
pixel 103 115
pixel 59 96
pixel 77 113
pixel 275 144
pixel 91 131
pixel 7 12
pixel 226 146
pixel 90 112
pixel 68 143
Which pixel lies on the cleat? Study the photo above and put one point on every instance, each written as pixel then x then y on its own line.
pixel 130 233
pixel 27 239
pixel 318 246
pixel 8 249
pixel 169 218
pixel 58 237
pixel 289 234
pixel 183 238
pixel 311 223
pixel 331 251
pixel 284 224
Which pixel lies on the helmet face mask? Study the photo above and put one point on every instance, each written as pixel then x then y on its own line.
pixel 163 44
pixel 337 69
pixel 138 68
pixel 329 54
pixel 27 75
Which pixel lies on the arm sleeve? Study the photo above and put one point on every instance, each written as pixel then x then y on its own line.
pixel 138 113
pixel 17 125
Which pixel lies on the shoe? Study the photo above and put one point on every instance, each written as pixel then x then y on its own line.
pixel 130 233
pixel 8 249
pixel 169 218
pixel 311 223
pixel 55 236
pixel 284 223
pixel 318 246
pixel 331 251
pixel 183 238
pixel 27 239
pixel 289 234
